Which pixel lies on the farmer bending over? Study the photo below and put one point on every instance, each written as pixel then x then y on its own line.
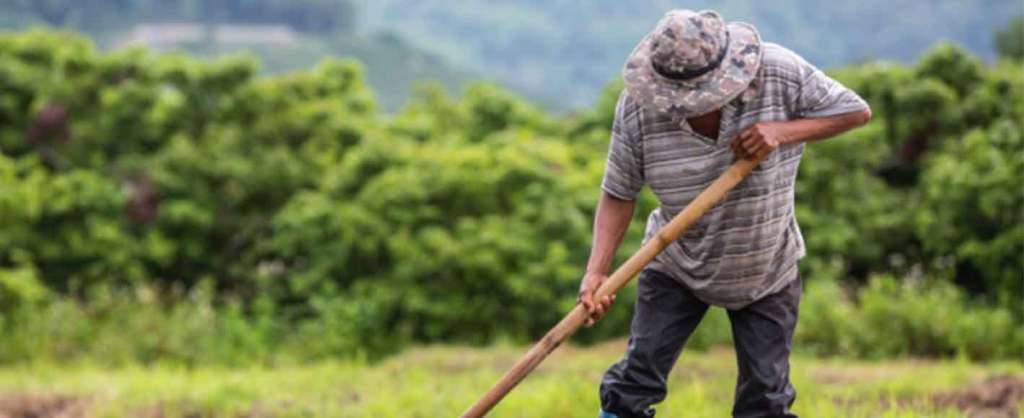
pixel 699 93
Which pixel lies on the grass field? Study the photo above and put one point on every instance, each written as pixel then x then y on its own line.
pixel 442 381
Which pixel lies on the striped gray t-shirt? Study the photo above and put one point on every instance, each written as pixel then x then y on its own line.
pixel 747 246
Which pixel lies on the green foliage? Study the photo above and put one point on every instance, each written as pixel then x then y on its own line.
pixel 289 209
pixel 954 67
pixel 972 218
pixel 930 184
pixel 64 229
pixel 1010 40
pixel 120 327
pixel 20 286
pixel 889 318
pixel 848 214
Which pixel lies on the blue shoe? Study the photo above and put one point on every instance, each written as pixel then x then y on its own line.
pixel 605 414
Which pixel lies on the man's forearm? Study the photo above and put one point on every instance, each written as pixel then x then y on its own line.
pixel 610 225
pixel 764 137
pixel 814 129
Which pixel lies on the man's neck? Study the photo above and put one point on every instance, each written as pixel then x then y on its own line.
pixel 707 124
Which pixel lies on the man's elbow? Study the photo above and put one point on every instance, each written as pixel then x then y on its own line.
pixel 863 117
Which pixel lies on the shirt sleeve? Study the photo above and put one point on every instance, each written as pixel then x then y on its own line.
pixel 623 172
pixel 818 95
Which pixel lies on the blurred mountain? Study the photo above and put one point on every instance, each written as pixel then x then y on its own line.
pixel 285 35
pixel 392 67
pixel 564 51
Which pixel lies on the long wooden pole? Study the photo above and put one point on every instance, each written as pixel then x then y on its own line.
pixel 568 325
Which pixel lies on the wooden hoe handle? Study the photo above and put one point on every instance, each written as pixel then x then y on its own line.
pixel 568 325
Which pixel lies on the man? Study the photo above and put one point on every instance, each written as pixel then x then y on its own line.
pixel 700 93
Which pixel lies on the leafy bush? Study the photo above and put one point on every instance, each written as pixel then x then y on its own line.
pixel 972 218
pixel 117 327
pixel 908 318
pixel 1010 39
pixel 884 319
pixel 292 209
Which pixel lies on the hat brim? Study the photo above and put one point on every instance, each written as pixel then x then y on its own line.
pixel 700 95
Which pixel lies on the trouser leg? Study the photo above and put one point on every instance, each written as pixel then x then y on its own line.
pixel 666 314
pixel 763 336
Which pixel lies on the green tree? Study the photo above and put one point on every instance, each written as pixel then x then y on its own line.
pixel 456 219
pixel 1010 40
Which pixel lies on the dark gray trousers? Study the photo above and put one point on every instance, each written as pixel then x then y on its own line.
pixel 665 316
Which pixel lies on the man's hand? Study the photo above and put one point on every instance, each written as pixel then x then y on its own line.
pixel 596 308
pixel 762 138
pixel 758 139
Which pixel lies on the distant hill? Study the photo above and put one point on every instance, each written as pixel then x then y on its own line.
pixel 564 51
pixel 392 66
pixel 285 35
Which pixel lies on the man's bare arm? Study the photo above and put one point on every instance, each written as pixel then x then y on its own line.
pixel 610 224
pixel 764 137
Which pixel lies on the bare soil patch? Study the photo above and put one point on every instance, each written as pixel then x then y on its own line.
pixel 42 406
pixel 995 397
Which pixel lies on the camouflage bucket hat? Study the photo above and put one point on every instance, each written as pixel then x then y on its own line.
pixel 692 63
